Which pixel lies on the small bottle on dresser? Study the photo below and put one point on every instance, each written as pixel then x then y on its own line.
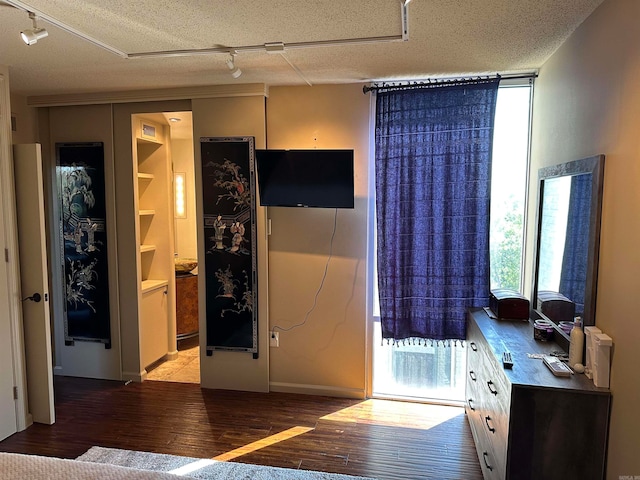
pixel 576 343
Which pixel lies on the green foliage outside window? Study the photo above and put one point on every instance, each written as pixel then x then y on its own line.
pixel 506 248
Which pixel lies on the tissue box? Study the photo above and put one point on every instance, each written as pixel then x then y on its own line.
pixel 589 333
pixel 602 361
pixel 509 304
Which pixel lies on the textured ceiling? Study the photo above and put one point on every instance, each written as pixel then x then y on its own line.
pixel 446 38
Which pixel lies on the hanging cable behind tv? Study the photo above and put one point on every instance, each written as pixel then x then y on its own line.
pixel 324 276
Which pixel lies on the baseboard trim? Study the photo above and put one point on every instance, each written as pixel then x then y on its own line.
pixel 29 420
pixel 326 390
pixel 171 355
pixel 134 376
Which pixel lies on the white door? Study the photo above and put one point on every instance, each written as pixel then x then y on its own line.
pixel 34 281
pixel 8 406
pixel 8 418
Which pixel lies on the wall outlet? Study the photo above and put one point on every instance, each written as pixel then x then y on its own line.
pixel 274 339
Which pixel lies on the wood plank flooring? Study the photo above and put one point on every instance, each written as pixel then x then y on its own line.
pixel 376 438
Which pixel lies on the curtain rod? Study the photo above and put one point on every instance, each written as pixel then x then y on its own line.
pixel 439 82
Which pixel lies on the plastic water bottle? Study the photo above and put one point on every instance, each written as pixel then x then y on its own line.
pixel 576 343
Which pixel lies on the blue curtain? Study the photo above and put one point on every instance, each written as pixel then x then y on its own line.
pixel 576 247
pixel 433 175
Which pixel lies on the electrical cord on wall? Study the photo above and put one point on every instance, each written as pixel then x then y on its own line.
pixel 324 276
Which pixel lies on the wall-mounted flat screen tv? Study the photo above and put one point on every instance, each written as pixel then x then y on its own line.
pixel 305 178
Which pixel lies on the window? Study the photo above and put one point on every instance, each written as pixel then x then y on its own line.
pixel 436 372
pixel 509 181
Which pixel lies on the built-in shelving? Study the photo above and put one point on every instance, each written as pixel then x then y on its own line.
pixel 155 240
pixel 149 285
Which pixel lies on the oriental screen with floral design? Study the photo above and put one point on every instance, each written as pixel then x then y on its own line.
pixel 229 206
pixel 83 245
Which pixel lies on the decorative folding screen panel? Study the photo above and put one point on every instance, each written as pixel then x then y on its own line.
pixel 229 206
pixel 83 241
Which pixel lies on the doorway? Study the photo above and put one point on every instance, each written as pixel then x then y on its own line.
pixel 185 367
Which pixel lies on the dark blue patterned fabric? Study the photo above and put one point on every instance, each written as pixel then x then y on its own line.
pixel 576 247
pixel 433 185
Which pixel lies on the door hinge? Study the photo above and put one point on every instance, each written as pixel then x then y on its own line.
pixel 6 255
pixel 15 393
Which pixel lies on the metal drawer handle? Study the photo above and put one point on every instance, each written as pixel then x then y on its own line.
pixel 473 376
pixel 486 464
pixel 470 401
pixel 473 346
pixel 491 385
pixel 486 421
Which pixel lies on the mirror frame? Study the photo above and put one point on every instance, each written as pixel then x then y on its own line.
pixel 595 166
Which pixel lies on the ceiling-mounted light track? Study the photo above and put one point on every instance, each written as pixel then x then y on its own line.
pixel 268 47
pixel 63 26
pixel 404 15
pixel 272 47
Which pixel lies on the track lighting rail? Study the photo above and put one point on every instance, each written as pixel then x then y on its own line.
pixel 270 47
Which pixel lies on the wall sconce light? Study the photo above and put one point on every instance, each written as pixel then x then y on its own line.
pixel 179 185
pixel 235 71
pixel 32 35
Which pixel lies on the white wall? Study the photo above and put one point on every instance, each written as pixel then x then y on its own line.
pixel 326 355
pixel 186 244
pixel 82 124
pixel 25 120
pixel 233 117
pixel 15 413
pixel 587 102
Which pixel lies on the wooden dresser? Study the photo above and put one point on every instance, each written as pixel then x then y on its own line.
pixel 186 306
pixel 527 423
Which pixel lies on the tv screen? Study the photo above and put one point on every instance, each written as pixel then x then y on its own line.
pixel 305 178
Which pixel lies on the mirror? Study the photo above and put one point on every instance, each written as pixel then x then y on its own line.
pixel 568 241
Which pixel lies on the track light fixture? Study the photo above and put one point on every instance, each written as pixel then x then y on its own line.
pixel 235 71
pixel 34 34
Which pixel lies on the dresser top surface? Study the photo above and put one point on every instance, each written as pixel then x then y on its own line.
pixel 517 338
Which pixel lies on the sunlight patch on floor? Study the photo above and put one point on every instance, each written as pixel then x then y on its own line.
pixel 265 442
pixel 395 413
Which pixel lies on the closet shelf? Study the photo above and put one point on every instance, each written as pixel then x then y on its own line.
pixel 147 248
pixel 146 176
pixel 146 212
pixel 149 285
pixel 149 141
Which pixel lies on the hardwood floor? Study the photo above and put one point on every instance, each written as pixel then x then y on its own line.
pixel 376 438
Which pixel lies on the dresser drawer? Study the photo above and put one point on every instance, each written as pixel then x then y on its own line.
pixel 487 404
pixel 487 385
pixel 492 462
pixel 494 401
pixel 526 423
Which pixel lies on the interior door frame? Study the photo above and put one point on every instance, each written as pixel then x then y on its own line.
pixel 10 228
pixel 36 320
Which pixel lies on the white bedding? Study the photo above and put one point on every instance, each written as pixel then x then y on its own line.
pixel 15 466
